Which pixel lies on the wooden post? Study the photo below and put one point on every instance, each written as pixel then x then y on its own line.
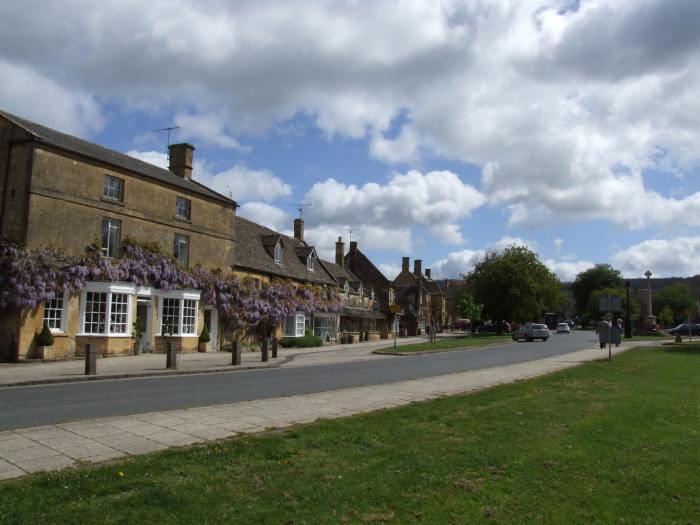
pixel 90 360
pixel 14 349
pixel 263 350
pixel 274 347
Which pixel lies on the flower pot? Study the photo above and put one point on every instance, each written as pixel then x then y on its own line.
pixel 45 353
pixel 202 347
pixel 137 348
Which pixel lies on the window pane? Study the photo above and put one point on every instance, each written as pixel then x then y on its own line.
pixel 95 312
pixel 189 316
pixel 113 188
pixel 181 249
pixel 324 327
pixel 300 325
pixel 118 313
pixel 183 207
pixel 278 253
pixel 289 327
pixel 171 316
pixel 53 313
pixel 111 235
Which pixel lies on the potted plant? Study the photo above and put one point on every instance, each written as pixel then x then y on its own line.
pixel 44 343
pixel 204 339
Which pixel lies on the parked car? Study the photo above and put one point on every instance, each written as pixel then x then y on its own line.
pixel 531 331
pixel 563 328
pixel 682 329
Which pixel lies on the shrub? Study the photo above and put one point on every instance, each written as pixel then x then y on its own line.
pixel 45 337
pixel 204 337
pixel 308 341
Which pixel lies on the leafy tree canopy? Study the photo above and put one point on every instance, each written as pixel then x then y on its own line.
pixel 513 285
pixel 596 278
pixel 677 297
pixel 469 309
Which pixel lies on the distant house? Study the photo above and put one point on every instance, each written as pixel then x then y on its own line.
pixel 420 298
pixel 61 192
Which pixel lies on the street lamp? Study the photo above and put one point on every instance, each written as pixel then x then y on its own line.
pixel 628 321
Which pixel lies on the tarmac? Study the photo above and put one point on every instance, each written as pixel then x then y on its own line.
pixel 53 447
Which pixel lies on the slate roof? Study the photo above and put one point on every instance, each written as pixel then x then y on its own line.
pixel 252 253
pixel 342 274
pixel 356 311
pixel 84 148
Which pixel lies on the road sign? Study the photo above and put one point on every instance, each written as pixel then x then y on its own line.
pixel 395 308
pixel 609 303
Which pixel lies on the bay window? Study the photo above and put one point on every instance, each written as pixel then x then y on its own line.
pixel 178 313
pixel 106 309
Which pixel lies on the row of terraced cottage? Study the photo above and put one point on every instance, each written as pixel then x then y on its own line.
pixel 62 192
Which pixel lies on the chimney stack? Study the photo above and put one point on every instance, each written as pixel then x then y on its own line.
pixel 353 255
pixel 404 264
pixel 417 267
pixel 339 251
pixel 181 159
pixel 299 229
pixel 427 273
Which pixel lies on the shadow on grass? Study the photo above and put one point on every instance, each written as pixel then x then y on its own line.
pixel 680 348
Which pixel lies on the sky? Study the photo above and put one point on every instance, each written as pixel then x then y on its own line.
pixel 436 130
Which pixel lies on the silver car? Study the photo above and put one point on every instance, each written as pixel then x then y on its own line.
pixel 531 331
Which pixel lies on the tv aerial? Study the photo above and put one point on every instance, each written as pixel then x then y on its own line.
pixel 300 207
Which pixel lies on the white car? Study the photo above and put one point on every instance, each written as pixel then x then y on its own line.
pixel 563 328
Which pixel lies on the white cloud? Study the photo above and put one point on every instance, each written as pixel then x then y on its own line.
pixel 390 270
pixel 435 201
pixel 34 96
pixel 507 241
pixel 567 271
pixel 558 243
pixel 663 257
pixel 566 109
pixel 368 237
pixel 267 215
pixel 246 184
pixel 152 157
pixel 456 264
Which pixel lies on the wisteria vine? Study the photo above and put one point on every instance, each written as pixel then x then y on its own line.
pixel 29 278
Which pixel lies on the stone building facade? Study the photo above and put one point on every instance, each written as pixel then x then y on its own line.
pixel 58 191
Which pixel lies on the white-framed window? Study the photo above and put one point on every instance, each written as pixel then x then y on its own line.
pixel 278 253
pixel 105 309
pixel 310 261
pixel 359 291
pixel 346 289
pixel 55 312
pixel 178 313
pixel 294 325
pixel 113 188
pixel 183 208
pixel 111 236
pixel 371 294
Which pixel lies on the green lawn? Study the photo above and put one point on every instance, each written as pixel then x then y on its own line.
pixel 448 344
pixel 607 442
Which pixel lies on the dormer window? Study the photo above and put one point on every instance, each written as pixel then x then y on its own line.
pixel 371 294
pixel 278 253
pixel 346 289
pixel 311 261
pixel 359 291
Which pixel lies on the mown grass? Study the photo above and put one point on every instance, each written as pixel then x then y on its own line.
pixel 448 344
pixel 607 442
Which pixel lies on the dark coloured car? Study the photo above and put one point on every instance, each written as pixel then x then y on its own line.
pixel 682 329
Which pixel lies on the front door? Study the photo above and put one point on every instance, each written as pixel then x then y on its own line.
pixel 143 322
pixel 211 319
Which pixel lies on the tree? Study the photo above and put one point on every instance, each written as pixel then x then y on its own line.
pixel 513 285
pixel 677 297
pixel 469 309
pixel 596 278
pixel 665 316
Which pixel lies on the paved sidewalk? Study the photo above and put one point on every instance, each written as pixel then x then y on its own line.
pixel 53 447
pixel 31 373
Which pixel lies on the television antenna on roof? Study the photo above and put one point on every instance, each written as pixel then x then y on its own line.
pixel 300 207
pixel 169 130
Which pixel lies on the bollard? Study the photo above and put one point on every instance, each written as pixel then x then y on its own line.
pixel 235 353
pixel 171 357
pixel 263 350
pixel 274 348
pixel 90 360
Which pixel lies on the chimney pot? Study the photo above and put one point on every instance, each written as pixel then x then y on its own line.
pixel 299 229
pixel 417 266
pixel 181 157
pixel 404 264
pixel 339 251
pixel 427 273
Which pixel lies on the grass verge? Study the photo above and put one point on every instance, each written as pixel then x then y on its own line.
pixel 446 344
pixel 607 442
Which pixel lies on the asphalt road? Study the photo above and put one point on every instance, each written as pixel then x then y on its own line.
pixel 50 404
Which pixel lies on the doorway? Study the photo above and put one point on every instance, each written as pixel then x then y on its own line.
pixel 211 321
pixel 143 323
